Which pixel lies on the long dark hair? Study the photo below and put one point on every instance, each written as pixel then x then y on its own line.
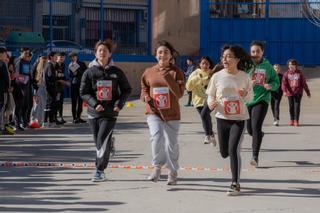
pixel 207 58
pixel 245 62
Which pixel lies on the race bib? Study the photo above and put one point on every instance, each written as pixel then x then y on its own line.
pixel 259 76
pixel 161 97
pixel 231 105
pixel 294 80
pixel 104 90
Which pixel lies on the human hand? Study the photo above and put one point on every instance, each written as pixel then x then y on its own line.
pixel 212 105
pixel 267 86
pixel 242 92
pixel 147 98
pixel 99 108
pixel 116 109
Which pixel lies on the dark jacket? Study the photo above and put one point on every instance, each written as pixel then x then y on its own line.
pixel 91 93
pixel 59 68
pixel 278 93
pixel 75 77
pixel 4 78
pixel 50 79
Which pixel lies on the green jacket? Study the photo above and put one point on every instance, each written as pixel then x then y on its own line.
pixel 263 73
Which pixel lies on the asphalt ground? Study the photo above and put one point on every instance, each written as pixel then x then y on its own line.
pixel 49 170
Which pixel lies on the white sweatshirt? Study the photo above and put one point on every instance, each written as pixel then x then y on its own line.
pixel 223 89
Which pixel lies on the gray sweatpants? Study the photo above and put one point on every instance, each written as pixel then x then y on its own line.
pixel 164 142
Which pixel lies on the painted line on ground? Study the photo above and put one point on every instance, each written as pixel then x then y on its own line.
pixel 76 165
pixel 92 165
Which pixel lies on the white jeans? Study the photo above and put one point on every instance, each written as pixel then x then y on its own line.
pixel 164 142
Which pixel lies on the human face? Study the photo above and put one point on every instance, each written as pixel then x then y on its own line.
pixel 292 67
pixel 163 56
pixel 204 64
pixel 2 56
pixel 103 54
pixel 26 55
pixel 276 68
pixel 74 58
pixel 60 59
pixel 228 60
pixel 256 53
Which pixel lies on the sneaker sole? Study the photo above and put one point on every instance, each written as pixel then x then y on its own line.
pixel 172 183
pixel 98 180
pixel 236 193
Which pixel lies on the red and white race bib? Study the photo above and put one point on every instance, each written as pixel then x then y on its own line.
pixel 161 97
pixel 104 90
pixel 231 105
pixel 259 76
pixel 294 80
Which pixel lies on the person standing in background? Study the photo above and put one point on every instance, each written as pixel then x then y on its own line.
pixel 24 90
pixel 61 82
pixel 76 69
pixel 276 97
pixel 4 87
pixel 190 68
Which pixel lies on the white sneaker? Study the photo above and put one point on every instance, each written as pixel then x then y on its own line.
pixel 207 139
pixel 213 140
pixel 155 175
pixel 276 123
pixel 172 178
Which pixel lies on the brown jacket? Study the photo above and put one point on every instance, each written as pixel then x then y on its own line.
pixel 154 78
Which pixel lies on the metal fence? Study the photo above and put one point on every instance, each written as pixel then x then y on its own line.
pixel 260 8
pixel 79 24
pixel 282 24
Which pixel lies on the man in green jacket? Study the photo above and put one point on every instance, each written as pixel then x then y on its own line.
pixel 264 80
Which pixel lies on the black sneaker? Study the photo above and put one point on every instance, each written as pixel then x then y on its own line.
pixel 63 121
pixel 76 121
pixel 82 121
pixel 18 127
pixel 234 189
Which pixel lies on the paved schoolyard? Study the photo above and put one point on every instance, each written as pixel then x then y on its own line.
pixel 288 179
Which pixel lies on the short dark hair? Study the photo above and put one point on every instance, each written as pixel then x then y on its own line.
pixel 293 62
pixel 3 50
pixel 61 54
pixel 25 49
pixel 72 54
pixel 51 54
pixel 258 43
pixel 107 43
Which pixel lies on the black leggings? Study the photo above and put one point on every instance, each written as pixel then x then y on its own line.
pixel 294 106
pixel 230 135
pixel 204 112
pixel 275 106
pixel 257 115
pixel 102 129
